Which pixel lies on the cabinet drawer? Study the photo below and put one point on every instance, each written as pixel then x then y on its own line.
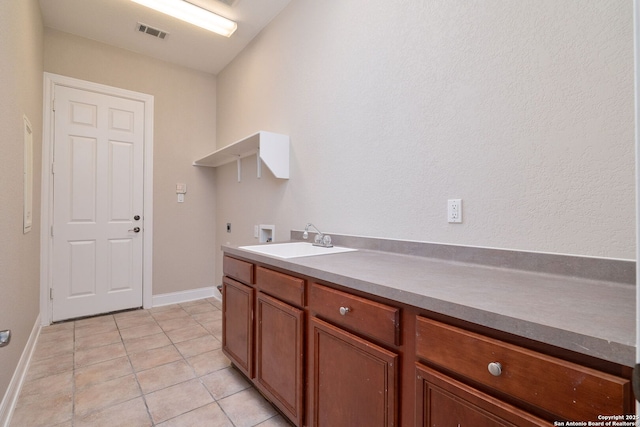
pixel 282 286
pixel 376 320
pixel 239 270
pixel 559 387
pixel 443 401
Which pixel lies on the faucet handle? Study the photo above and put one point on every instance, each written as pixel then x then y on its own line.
pixel 326 240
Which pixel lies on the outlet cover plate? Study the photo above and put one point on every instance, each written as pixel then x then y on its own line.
pixel 454 210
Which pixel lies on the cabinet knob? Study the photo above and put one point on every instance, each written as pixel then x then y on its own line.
pixel 495 368
pixel 344 310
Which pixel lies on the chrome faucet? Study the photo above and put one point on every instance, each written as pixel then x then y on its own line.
pixel 321 239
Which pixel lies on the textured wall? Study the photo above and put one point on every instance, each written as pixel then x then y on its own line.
pixel 184 129
pixel 20 94
pixel 522 109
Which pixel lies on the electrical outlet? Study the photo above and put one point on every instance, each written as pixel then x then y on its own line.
pixel 256 232
pixel 454 210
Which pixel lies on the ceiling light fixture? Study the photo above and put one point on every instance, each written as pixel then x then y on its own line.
pixel 192 14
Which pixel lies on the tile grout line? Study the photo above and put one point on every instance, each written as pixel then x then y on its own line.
pixel 216 401
pixel 207 323
pixel 173 344
pixel 183 359
pixel 231 366
pixel 199 378
pixel 135 374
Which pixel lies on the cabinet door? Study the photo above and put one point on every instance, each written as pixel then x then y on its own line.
pixel 443 401
pixel 279 335
pixel 237 324
pixel 352 382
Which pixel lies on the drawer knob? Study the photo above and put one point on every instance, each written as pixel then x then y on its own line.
pixel 495 368
pixel 344 310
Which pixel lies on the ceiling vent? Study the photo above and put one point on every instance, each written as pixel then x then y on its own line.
pixel 229 2
pixel 144 28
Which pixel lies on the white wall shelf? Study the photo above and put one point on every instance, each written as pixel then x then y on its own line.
pixel 270 148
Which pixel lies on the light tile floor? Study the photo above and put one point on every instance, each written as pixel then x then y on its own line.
pixel 160 367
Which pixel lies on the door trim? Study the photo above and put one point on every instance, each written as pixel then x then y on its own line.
pixel 46 217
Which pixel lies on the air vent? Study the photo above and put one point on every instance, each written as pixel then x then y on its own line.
pixel 144 28
pixel 229 2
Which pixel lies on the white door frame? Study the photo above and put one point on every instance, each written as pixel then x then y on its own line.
pixel 46 221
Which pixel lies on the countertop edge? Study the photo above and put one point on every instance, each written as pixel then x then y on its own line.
pixel 616 352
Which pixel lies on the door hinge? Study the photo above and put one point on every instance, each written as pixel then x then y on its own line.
pixel 52 231
pixel 53 105
pixel 50 293
pixel 53 168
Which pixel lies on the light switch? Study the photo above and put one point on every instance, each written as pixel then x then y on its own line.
pixel 181 189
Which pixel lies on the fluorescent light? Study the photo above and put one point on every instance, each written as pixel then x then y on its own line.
pixel 192 14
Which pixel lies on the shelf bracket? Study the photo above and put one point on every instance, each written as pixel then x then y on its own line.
pixel 259 166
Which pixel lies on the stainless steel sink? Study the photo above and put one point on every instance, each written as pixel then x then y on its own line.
pixel 294 249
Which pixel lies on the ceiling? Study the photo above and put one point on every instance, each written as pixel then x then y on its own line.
pixel 115 22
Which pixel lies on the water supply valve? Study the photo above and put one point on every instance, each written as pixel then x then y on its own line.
pixel 5 338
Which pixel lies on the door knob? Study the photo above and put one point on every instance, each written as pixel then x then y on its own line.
pixel 495 368
pixel 137 217
pixel 135 229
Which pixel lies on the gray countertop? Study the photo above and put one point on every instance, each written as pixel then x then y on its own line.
pixel 592 317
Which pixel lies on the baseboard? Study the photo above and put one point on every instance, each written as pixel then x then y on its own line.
pixel 184 296
pixel 13 391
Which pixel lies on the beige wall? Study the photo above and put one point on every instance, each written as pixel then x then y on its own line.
pixel 522 109
pixel 20 94
pixel 184 129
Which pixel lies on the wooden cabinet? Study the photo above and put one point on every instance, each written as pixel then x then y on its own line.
pixel 238 269
pixel 327 357
pixel 237 324
pixel 546 384
pixel 282 286
pixel 279 346
pixel 361 315
pixel 352 380
pixel 443 401
pixel 263 332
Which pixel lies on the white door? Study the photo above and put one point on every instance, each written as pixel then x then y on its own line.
pixel 97 203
